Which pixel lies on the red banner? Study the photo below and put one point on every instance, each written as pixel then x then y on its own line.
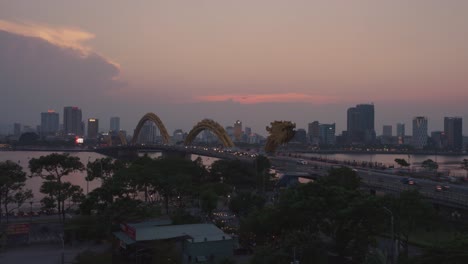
pixel 18 229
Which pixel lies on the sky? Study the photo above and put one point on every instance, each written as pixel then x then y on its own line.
pixel 256 60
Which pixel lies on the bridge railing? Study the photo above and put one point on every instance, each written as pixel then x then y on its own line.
pixel 446 196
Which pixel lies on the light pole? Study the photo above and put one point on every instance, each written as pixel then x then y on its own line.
pixel 87 181
pixel 30 212
pixel 393 234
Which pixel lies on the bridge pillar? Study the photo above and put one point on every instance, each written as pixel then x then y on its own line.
pixel 127 154
pixel 176 154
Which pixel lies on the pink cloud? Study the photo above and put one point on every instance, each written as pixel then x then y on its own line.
pixel 267 98
pixel 64 37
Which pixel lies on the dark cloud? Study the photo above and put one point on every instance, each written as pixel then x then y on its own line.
pixel 36 75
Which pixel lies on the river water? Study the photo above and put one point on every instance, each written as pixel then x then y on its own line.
pixel 444 161
pixel 77 178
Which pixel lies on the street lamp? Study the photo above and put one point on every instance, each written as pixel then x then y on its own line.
pixel 30 212
pixel 393 249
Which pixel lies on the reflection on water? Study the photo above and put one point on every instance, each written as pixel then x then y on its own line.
pixel 77 178
pixel 389 159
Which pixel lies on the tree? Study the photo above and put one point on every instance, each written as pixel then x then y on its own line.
pixel 52 168
pixel 28 138
pixel 209 201
pixel 103 168
pixel 12 181
pixel 246 202
pixel 343 177
pixel 429 164
pixel 411 212
pixel 402 163
pixel 452 252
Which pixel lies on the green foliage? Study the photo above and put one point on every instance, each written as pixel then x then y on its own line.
pixel 270 255
pixel 402 162
pixel 103 168
pixel 52 168
pixel 343 177
pixel 464 164
pixel 452 252
pixel 429 164
pixel 348 220
pixel 246 202
pixel 410 212
pixel 12 181
pixel 28 138
pixel 209 201
pixel 233 172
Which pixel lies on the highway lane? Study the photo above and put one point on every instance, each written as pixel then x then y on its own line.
pixel 455 194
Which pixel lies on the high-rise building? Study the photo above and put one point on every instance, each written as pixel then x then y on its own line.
pixel 387 131
pixel 453 128
pixel 327 134
pixel 115 124
pixel 238 130
pixel 314 132
pixel 72 121
pixel 230 132
pixel 360 125
pixel 93 128
pixel 400 130
pixel 438 139
pixel 400 133
pixel 49 123
pixel 178 136
pixel 300 136
pixel 149 134
pixel 419 139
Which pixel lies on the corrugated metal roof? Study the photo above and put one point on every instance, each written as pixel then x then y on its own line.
pixel 195 232
pixel 124 238
pixel 151 223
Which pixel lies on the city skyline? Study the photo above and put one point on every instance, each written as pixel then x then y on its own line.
pixel 378 131
pixel 258 61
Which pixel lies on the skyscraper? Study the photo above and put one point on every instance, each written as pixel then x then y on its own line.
pixel 327 134
pixel 238 130
pixel 300 136
pixel 400 133
pixel 400 130
pixel 115 124
pixel 49 123
pixel 314 133
pixel 360 125
pixel 93 128
pixel 419 139
pixel 453 128
pixel 72 121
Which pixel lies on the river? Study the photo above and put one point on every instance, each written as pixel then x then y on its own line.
pixel 444 161
pixel 76 178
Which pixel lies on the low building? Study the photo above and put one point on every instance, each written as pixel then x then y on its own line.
pixel 197 243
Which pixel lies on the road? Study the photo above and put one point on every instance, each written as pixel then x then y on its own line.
pixel 456 195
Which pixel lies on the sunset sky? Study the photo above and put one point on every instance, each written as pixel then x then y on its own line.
pixel 253 60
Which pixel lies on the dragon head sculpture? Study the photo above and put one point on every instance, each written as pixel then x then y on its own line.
pixel 281 132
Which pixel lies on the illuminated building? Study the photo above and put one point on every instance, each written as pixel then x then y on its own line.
pixel 93 128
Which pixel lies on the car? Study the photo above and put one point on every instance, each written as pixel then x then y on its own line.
pixel 440 188
pixel 301 161
pixel 409 181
